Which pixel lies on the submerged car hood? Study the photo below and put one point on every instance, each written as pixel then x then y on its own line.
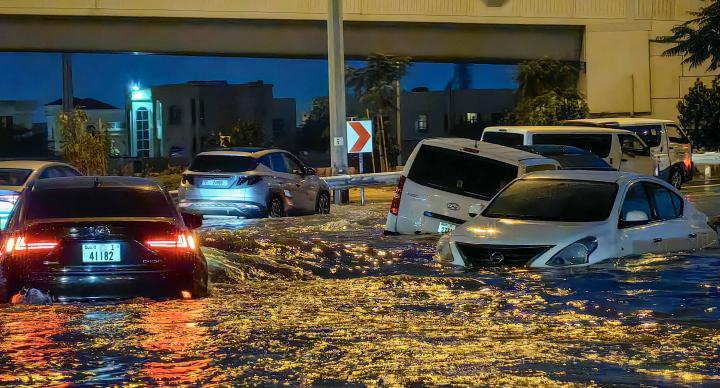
pixel 501 231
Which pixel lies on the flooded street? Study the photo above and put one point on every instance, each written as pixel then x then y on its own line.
pixel 328 300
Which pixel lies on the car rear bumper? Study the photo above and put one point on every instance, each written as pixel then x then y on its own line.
pixel 245 209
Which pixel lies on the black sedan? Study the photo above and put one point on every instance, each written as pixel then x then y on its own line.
pixel 100 238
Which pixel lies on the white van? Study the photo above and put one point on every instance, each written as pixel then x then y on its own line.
pixel 668 143
pixel 621 149
pixel 444 178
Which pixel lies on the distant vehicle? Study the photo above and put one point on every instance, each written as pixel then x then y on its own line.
pixel 252 183
pixel 570 158
pixel 17 175
pixel 668 143
pixel 444 177
pixel 621 149
pixel 97 238
pixel 578 218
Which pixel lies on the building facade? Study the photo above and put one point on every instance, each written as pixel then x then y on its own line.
pixel 100 114
pixel 16 114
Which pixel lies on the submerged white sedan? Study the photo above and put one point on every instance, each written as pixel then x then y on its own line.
pixel 577 218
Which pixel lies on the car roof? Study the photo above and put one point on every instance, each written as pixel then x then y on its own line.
pixel 495 151
pixel 241 151
pixel 621 121
pixel 82 182
pixel 553 129
pixel 619 177
pixel 29 164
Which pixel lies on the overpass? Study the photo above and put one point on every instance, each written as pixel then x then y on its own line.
pixel 613 38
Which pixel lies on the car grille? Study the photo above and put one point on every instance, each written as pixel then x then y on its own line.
pixel 500 255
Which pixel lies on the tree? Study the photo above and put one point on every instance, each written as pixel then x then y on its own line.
pixel 548 94
pixel 87 150
pixel 375 84
pixel 700 113
pixel 242 134
pixel 698 39
pixel 316 127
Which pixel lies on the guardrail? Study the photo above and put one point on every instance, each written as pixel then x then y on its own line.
pixel 342 182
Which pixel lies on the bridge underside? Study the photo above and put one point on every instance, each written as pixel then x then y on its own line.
pixel 290 39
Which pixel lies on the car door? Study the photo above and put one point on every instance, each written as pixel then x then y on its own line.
pixel 678 145
pixel 635 155
pixel 306 185
pixel 289 182
pixel 668 210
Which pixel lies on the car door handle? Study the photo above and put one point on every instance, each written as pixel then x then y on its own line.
pixel 657 240
pixel 692 235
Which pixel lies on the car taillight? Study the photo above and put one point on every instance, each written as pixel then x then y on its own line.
pixel 19 244
pixel 250 180
pixel 183 241
pixel 188 180
pixel 395 206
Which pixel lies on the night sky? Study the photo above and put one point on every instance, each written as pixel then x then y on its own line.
pixel 106 77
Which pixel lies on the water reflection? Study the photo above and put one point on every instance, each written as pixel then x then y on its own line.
pixel 329 300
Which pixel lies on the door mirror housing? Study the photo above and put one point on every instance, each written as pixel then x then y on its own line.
pixel 635 218
pixel 476 209
pixel 191 220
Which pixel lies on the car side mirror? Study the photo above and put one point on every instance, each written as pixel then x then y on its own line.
pixel 476 209
pixel 310 171
pixel 635 218
pixel 192 221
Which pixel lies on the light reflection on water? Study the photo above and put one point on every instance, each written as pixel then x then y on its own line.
pixel 329 300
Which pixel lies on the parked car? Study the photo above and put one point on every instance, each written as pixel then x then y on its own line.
pixel 578 218
pixel 621 149
pixel 99 238
pixel 252 183
pixel 17 175
pixel 444 177
pixel 668 143
pixel 570 158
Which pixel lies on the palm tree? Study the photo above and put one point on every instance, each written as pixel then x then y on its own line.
pixel 698 39
pixel 376 85
pixel 540 76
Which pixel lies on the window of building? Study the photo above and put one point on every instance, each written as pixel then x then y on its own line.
pixel 421 124
pixel 471 118
pixel 6 122
pixel 175 115
pixel 278 127
pixel 202 112
pixel 193 113
pixel 142 132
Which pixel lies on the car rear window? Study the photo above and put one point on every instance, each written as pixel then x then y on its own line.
pixel 98 202
pixel 223 163
pixel 504 138
pixel 460 172
pixel 598 144
pixel 13 176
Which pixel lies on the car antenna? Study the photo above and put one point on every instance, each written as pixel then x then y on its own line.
pixel 96 183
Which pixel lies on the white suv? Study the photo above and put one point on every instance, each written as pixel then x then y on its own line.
pixel 668 143
pixel 445 180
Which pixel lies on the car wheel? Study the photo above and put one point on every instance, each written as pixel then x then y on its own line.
pixel 275 208
pixel 198 284
pixel 676 178
pixel 323 203
pixel 7 290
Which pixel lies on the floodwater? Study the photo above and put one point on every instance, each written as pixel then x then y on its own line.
pixel 328 300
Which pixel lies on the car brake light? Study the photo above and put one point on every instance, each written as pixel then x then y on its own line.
pixel 250 180
pixel 19 244
pixel 395 206
pixel 182 242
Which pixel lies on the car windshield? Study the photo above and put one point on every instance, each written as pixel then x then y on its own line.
pixel 14 176
pixel 554 200
pixel 98 202
pixel 223 163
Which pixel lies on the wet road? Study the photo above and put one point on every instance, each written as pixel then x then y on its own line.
pixel 327 300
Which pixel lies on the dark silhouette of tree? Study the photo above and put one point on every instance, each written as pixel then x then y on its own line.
pixel 698 39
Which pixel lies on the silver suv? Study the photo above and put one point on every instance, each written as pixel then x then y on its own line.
pixel 252 183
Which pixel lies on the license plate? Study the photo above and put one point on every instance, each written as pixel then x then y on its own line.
pixel 216 182
pixel 101 253
pixel 446 227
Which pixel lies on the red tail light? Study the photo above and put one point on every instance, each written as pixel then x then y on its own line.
pixel 183 241
pixel 395 206
pixel 19 244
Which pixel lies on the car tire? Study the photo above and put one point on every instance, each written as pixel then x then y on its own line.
pixel 7 290
pixel 275 207
pixel 676 178
pixel 198 283
pixel 323 203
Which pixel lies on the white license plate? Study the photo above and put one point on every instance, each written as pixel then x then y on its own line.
pixel 446 227
pixel 215 182
pixel 101 253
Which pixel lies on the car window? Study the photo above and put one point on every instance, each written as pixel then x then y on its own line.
pixel 278 163
pixel 223 163
pixel 265 161
pixel 294 166
pixel 649 133
pixel 636 199
pixel 97 202
pixel 14 176
pixel 675 134
pixel 504 138
pixel 598 144
pixel 52 172
pixel 67 171
pixel 460 172
pixel 667 204
pixel 632 145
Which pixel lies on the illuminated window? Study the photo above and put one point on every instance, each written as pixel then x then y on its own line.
pixel 471 118
pixel 421 124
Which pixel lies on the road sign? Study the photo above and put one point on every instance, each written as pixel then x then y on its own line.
pixel 359 136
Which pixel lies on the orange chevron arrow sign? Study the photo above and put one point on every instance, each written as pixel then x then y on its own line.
pixel 359 136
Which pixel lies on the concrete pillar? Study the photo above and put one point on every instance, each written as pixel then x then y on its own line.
pixel 67 103
pixel 336 78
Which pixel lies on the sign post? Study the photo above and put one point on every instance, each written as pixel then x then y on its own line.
pixel 360 141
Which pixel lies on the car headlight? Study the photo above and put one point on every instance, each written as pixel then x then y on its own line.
pixel 575 253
